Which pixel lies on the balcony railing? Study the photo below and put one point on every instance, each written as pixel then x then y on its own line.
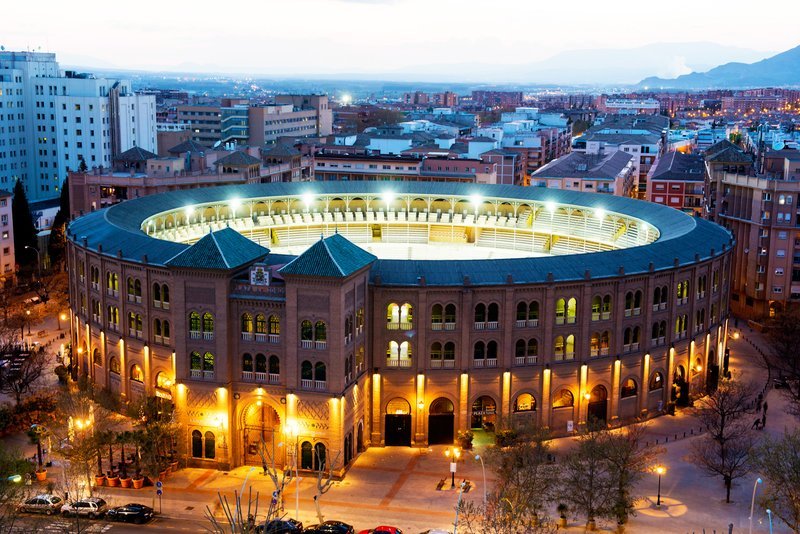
pixel 449 326
pixel 571 320
pixel 307 343
pixel 194 334
pixel 348 339
pixel 306 383
pixel 485 362
pixel 247 336
pixel 201 375
pixel 113 326
pixel 247 375
pixel 480 325
pixel 273 378
pixel 491 325
pixel 156 303
pixel 208 336
pixel 320 344
pixel 521 323
pixel 525 360
pixel 261 337
pixel 403 325
pixel 560 320
pixel 603 351
pixel 637 311
pixel 398 362
pixel 320 385
pixel 443 364
pixel 683 300
pixel 165 305
pixel 605 316
pixel 437 326
pixel 595 316
pixel 274 338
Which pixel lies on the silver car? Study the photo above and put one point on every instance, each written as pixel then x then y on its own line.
pixel 43 504
pixel 91 507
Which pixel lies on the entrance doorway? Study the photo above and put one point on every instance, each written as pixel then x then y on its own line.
pixel 261 434
pixel 441 422
pixel 598 406
pixel 398 423
pixel 484 413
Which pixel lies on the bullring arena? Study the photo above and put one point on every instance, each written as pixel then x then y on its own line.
pixel 334 316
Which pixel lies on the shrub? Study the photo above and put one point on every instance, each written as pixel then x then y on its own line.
pixel 465 439
pixel 505 437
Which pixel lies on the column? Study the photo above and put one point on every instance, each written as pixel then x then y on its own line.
pixel 615 377
pixel 544 395
pixel 123 370
pixel 376 410
pixel 583 402
pixel 670 373
pixel 463 402
pixel 505 396
pixel 644 391
pixel 419 436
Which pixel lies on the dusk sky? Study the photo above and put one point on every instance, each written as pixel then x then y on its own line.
pixel 329 36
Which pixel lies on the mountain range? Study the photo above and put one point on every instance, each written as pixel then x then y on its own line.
pixel 779 70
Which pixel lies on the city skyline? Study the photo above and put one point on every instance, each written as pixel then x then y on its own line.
pixel 388 38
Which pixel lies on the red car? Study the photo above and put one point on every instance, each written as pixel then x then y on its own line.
pixel 382 530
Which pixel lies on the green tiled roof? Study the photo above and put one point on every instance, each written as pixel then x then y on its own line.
pixel 238 157
pixel 223 249
pixel 334 256
pixel 135 154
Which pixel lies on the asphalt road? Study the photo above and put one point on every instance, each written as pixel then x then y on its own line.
pixel 32 523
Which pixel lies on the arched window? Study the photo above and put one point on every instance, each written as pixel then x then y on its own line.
pixel 197 444
pixel 519 348
pixel 247 323
pixel 656 381
pixel 491 350
pixel 275 325
pixel 569 348
pixel 360 319
pixel 156 292
pixel 656 297
pixel 208 323
pixel 306 371
pixel 450 314
pixel 163 381
pixel 196 361
pixel 320 458
pixel 561 311
pixel 533 348
pixel 558 347
pixel 194 322
pixel 479 351
pixel 533 313
pixel 320 331
pixel 261 363
pixel 165 295
pixel 637 302
pixel 436 353
pixel 522 312
pixel 597 304
pixel 606 311
pixel 563 399
pixel 628 388
pixel 96 358
pixel 320 372
pixel 157 327
pixel 136 374
pixel 247 362
pixel 165 330
pixel 480 313
pixel 274 365
pixel 306 455
pixel 572 310
pixel 261 324
pixel 113 365
pixel 210 448
pixel 306 331
pixel 493 313
pixel 208 362
pixel 393 314
pixel 437 316
pixel 525 402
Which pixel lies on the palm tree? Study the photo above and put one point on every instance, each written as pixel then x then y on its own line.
pixel 122 438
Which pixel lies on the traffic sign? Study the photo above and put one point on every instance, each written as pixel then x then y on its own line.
pixel 159 484
pixel 159 491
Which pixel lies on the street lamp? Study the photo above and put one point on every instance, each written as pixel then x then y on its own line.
pixel 483 468
pixel 38 261
pixel 769 515
pixel 61 317
pixel 660 470
pixel 455 452
pixel 753 502
pixel 28 320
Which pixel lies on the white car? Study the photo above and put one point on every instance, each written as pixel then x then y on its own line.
pixel 91 507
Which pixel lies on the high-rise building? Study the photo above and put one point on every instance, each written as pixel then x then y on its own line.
pixel 52 120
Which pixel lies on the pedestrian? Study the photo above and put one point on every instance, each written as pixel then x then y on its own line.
pixel 759 400
pixel 763 421
pixel 765 407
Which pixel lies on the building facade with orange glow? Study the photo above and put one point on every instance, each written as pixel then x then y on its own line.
pixel 309 321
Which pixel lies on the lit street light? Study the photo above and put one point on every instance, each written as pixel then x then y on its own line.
pixel 28 320
pixel 753 502
pixel 61 317
pixel 456 454
pixel 660 470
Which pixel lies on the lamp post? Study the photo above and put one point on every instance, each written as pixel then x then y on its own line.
pixel 483 468
pixel 660 470
pixel 458 507
pixel 753 502
pixel 61 317
pixel 28 320
pixel 455 453
pixel 38 262
pixel 769 515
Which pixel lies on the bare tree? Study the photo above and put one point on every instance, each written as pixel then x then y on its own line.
pixel 525 477
pixel 238 519
pixel 500 516
pixel 19 376
pixel 778 461
pixel 15 470
pixel 586 476
pixel 280 479
pixel 628 461
pixel 783 358
pixel 724 450
pixel 324 481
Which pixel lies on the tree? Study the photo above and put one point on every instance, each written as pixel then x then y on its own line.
pixel 58 233
pixel 586 476
pixel 14 470
pixel 526 479
pixel 500 517
pixel 628 461
pixel 19 377
pixel 24 228
pixel 783 357
pixel 724 450
pixel 778 461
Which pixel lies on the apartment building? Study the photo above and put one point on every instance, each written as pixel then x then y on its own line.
pixel 352 167
pixel 7 258
pixel 53 120
pixel 594 172
pixel 678 181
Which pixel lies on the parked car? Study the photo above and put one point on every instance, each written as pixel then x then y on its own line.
pixel 330 527
pixel 383 529
pixel 42 504
pixel 280 526
pixel 130 513
pixel 91 507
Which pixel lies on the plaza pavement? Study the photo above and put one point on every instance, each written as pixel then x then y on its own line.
pixel 397 485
